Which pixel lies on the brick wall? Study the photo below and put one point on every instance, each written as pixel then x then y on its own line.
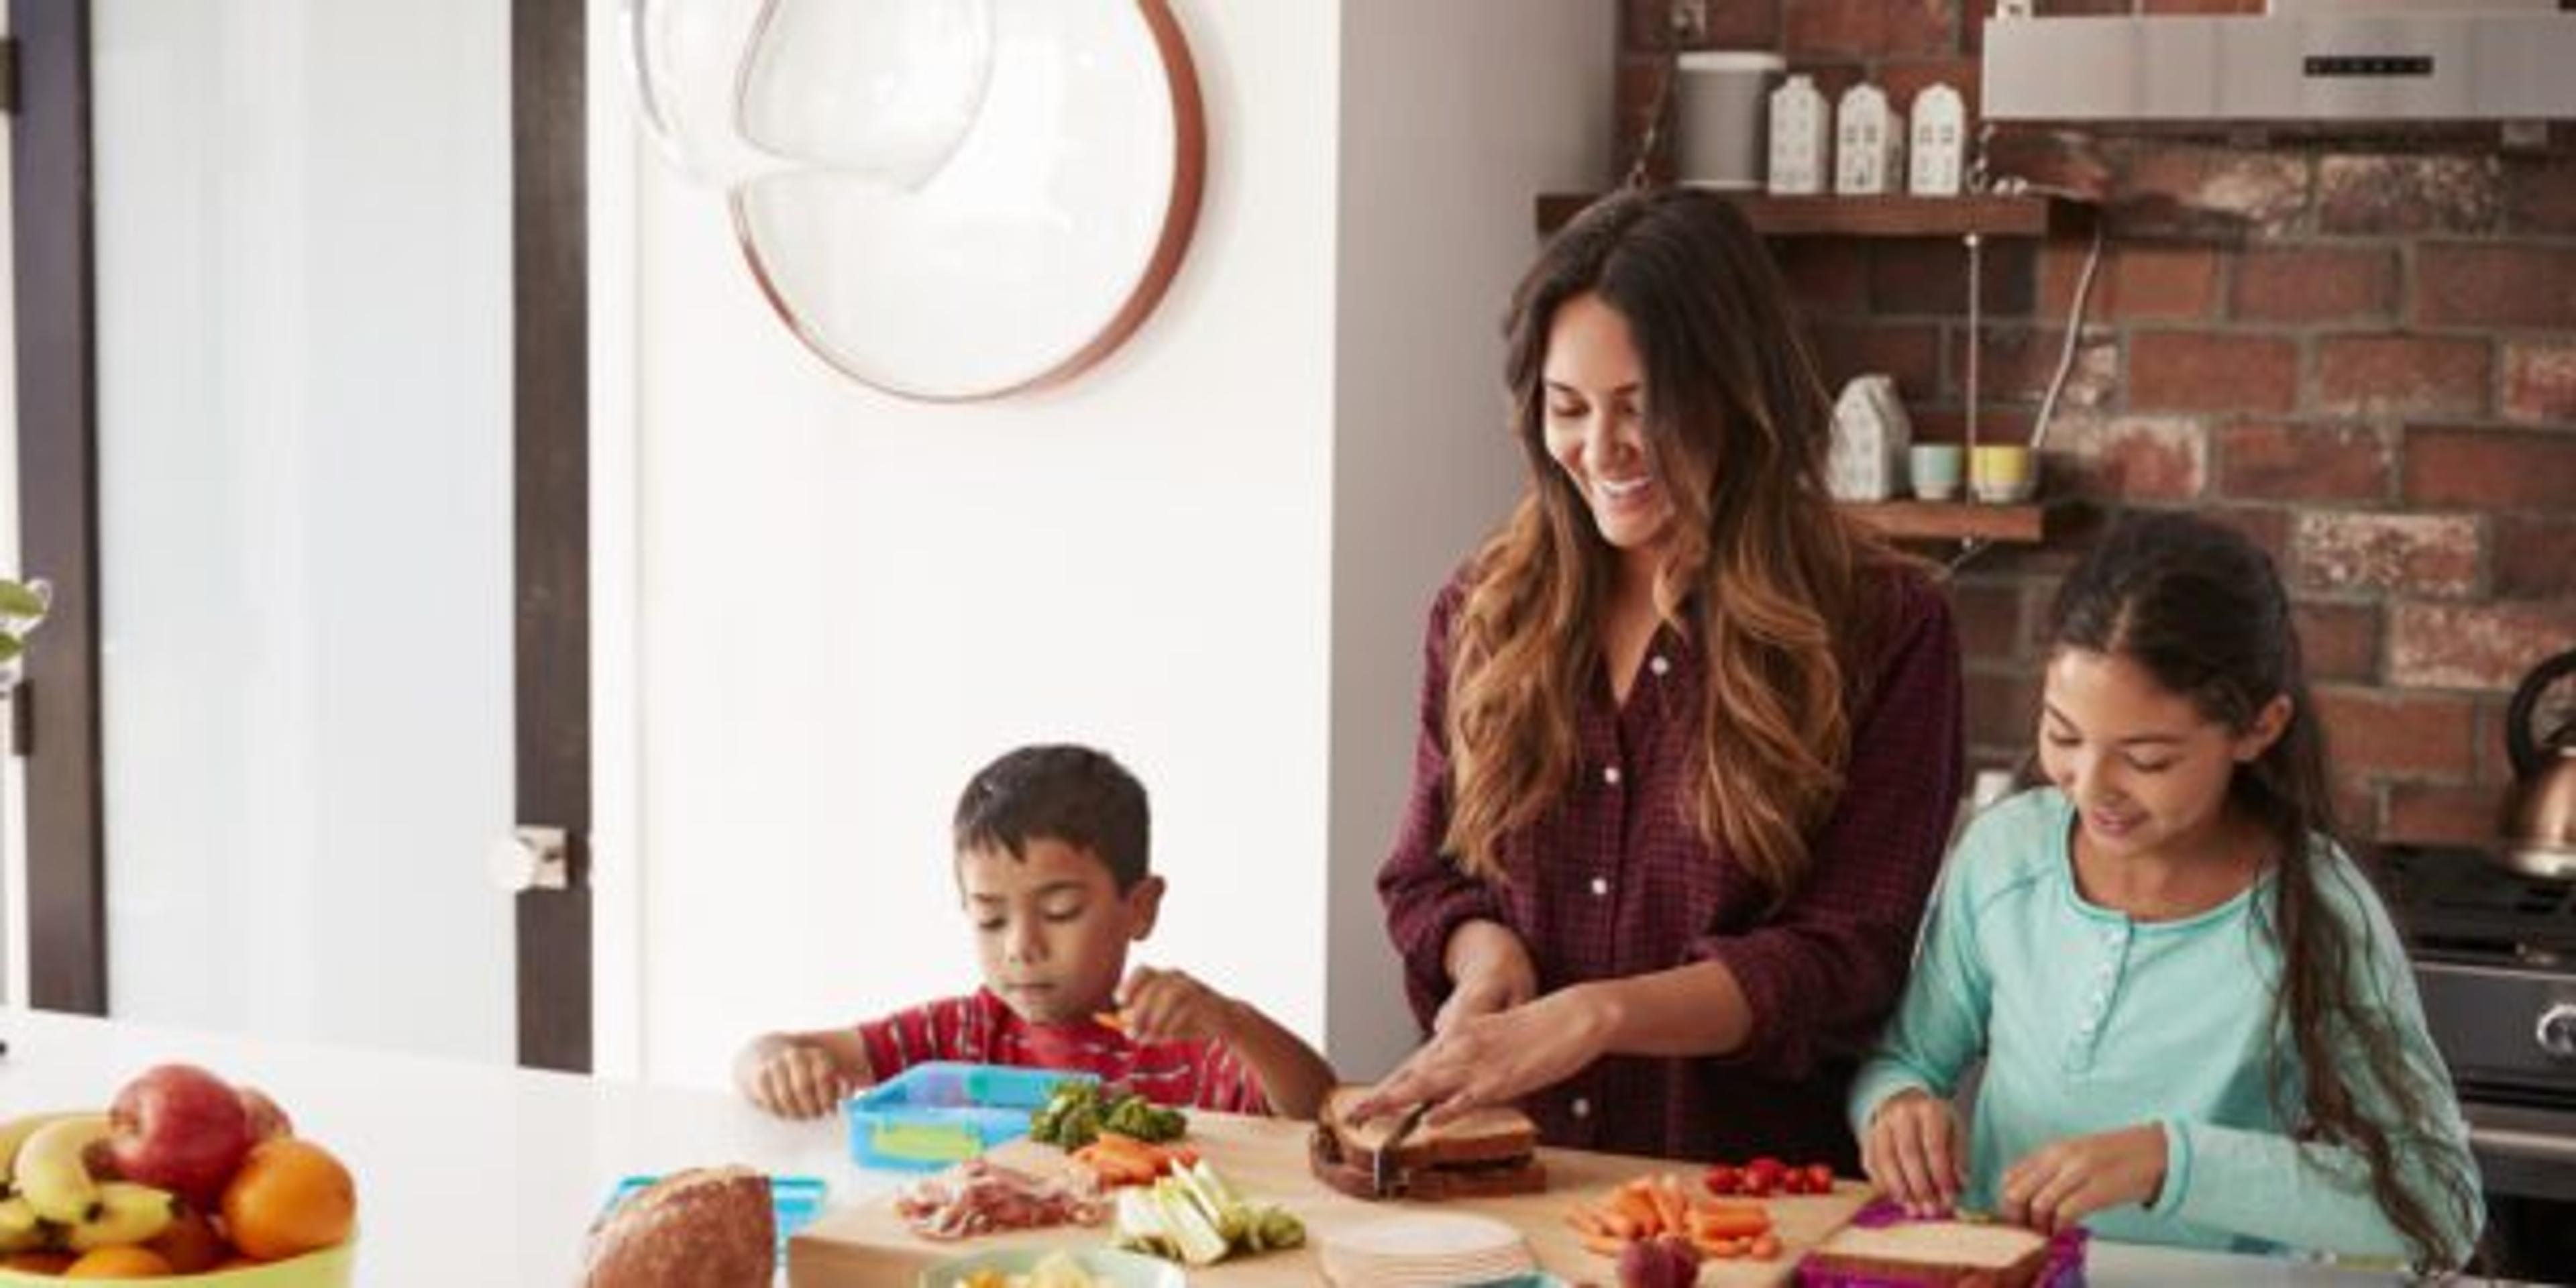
pixel 2364 354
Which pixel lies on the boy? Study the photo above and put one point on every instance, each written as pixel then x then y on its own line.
pixel 1051 869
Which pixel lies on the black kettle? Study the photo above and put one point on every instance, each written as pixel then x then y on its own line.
pixel 2540 812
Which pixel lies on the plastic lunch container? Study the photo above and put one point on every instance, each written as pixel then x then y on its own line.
pixel 932 1115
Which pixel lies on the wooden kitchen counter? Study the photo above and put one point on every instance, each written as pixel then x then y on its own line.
pixel 1264 1160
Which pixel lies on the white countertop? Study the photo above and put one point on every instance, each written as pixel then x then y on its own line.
pixel 471 1174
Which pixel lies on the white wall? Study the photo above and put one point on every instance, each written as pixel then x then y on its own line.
pixel 13 865
pixel 1455 113
pixel 849 603
pixel 1209 555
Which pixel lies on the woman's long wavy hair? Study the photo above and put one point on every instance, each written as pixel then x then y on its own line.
pixel 2199 608
pixel 1761 569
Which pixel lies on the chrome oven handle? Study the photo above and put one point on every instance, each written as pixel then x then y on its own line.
pixel 2505 1142
pixel 2556 1031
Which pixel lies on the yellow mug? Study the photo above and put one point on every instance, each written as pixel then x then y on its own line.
pixel 2002 473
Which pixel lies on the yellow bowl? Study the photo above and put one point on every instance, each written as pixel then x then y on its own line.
pixel 333 1267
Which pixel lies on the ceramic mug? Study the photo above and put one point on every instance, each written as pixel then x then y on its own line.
pixel 1933 470
pixel 2002 473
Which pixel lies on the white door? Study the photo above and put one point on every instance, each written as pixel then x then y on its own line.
pixel 304 420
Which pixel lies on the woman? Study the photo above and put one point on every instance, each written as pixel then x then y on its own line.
pixel 1689 737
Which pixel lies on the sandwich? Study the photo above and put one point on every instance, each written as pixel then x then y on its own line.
pixel 1902 1253
pixel 1400 1155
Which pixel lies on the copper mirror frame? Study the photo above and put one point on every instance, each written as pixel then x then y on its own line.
pixel 1044 243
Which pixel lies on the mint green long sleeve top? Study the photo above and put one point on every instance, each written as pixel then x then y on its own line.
pixel 2088 1020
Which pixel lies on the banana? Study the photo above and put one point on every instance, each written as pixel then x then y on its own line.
pixel 127 1213
pixel 51 1172
pixel 20 1228
pixel 14 1133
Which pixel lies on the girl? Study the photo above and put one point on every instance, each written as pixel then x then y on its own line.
pixel 2197 1023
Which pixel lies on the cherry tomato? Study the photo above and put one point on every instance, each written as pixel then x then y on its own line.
pixel 1723 1179
pixel 1820 1178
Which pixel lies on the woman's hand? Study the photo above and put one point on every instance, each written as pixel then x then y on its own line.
pixel 2065 1181
pixel 1496 1058
pixel 1916 1152
pixel 1170 1006
pixel 1489 972
pixel 791 1079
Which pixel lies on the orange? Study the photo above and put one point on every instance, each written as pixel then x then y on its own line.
pixel 289 1198
pixel 118 1263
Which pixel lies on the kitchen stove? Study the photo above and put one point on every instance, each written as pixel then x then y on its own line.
pixel 2495 958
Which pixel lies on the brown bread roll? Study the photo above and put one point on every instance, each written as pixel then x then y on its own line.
pixel 708 1227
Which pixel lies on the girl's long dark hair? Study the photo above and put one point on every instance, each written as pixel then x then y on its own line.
pixel 2199 607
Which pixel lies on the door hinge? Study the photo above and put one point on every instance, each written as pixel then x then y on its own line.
pixel 8 76
pixel 21 698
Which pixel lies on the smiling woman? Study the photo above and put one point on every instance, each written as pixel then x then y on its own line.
pixel 1689 737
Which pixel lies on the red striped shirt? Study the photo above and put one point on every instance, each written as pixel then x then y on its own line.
pixel 983 1029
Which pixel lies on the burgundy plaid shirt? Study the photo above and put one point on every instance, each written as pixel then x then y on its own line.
pixel 1615 881
pixel 983 1029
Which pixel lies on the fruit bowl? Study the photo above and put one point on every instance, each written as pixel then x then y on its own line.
pixel 334 1267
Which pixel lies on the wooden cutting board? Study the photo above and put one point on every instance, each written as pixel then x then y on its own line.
pixel 867 1246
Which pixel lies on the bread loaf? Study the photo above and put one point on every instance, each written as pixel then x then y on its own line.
pixel 702 1228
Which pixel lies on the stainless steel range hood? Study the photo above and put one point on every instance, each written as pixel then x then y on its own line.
pixel 2347 61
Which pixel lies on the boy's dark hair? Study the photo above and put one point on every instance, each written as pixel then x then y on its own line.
pixel 1064 793
pixel 2200 608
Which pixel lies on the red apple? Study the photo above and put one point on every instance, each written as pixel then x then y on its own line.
pixel 181 1128
pixel 266 1119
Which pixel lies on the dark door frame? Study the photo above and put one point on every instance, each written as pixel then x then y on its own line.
pixel 56 711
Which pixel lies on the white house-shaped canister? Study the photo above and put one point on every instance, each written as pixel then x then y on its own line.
pixel 1938 158
pixel 1869 145
pixel 1871 435
pixel 1802 138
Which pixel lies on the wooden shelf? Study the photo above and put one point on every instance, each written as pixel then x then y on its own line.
pixel 2028 216
pixel 2025 524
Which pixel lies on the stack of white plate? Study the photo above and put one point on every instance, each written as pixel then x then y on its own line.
pixel 1424 1250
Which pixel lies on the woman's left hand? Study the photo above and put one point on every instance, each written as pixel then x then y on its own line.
pixel 1497 1058
pixel 2060 1183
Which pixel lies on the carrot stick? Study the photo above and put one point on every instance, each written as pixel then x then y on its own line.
pixel 1606 1247
pixel 1731 1225
pixel 1668 1207
pixel 1765 1247
pixel 1634 1204
pixel 1620 1225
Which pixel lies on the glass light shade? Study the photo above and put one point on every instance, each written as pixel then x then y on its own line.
pixel 884 90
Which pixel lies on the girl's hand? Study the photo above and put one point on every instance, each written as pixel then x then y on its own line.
pixel 2065 1181
pixel 1170 1006
pixel 1490 972
pixel 1916 1152
pixel 793 1080
pixel 1496 1058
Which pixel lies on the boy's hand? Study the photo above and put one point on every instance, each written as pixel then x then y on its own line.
pixel 1916 1153
pixel 793 1080
pixel 2065 1181
pixel 1169 1006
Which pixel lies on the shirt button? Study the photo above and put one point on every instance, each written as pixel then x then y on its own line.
pixel 1657 664
pixel 1600 885
pixel 1582 1108
pixel 1611 775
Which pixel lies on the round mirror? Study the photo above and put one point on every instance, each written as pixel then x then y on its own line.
pixel 1016 260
